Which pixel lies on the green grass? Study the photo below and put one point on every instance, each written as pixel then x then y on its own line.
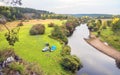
pixel 30 49
pixel 111 38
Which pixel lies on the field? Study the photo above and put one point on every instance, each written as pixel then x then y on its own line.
pixel 29 48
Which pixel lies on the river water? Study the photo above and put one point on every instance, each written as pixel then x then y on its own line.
pixel 93 61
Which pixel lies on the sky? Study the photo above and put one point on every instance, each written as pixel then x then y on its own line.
pixel 75 6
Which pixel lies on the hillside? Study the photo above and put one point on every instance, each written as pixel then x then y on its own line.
pixel 13 13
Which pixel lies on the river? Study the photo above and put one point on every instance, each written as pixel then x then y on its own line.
pixel 93 61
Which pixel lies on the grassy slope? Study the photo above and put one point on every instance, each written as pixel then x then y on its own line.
pixel 113 40
pixel 29 48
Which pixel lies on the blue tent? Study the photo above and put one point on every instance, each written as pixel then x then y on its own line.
pixel 53 48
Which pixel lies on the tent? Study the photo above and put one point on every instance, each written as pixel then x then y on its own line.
pixel 53 47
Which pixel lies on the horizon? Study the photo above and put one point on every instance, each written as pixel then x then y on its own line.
pixel 74 7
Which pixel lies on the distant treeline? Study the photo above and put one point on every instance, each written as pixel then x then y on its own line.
pixel 97 16
pixel 18 13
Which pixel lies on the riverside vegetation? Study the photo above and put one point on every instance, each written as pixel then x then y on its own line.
pixel 107 29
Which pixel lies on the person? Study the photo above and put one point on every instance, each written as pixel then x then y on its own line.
pixel 46 48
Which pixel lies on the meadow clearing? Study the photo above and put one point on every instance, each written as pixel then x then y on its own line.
pixel 29 48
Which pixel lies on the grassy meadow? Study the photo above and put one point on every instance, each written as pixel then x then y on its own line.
pixel 29 48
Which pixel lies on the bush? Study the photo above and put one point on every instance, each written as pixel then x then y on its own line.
pixel 20 24
pixel 12 36
pixel 58 34
pixel 51 25
pixel 71 63
pixel 37 29
pixel 116 26
pixel 66 50
pixel 15 66
pixel 32 67
pixel 6 53
pixel 65 40
pixel 65 31
pixel 71 24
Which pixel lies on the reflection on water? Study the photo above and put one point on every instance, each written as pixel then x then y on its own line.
pixel 94 62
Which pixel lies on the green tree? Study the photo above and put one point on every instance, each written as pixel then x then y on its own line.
pixel 98 24
pixel 66 50
pixel 13 2
pixel 11 35
pixel 37 29
pixel 71 63
pixel 116 26
pixel 104 25
pixel 109 22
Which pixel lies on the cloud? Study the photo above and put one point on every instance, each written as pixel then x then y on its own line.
pixel 2 4
pixel 75 6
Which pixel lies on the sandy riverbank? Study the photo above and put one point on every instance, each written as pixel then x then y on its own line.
pixel 104 48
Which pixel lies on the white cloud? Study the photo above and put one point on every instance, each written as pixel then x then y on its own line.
pixel 75 6
pixel 2 4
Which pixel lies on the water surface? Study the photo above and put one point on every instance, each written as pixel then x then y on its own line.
pixel 94 62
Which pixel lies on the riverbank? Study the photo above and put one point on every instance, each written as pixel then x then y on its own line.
pixel 104 47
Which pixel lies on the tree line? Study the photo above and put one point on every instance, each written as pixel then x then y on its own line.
pixel 18 13
pixel 13 13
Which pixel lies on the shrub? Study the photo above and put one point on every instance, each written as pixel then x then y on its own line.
pixel 32 67
pixel 12 36
pixel 57 33
pixel 66 50
pixel 6 53
pixel 65 40
pixel 51 25
pixel 37 29
pixel 116 26
pixel 20 24
pixel 71 24
pixel 71 63
pixel 17 67
pixel 65 31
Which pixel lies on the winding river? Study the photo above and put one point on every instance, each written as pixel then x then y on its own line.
pixel 93 61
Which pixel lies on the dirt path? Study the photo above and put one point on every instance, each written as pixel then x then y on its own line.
pixel 106 49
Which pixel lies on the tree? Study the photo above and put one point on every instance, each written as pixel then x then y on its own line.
pixel 66 50
pixel 13 2
pixel 71 63
pixel 116 24
pixel 98 24
pixel 11 35
pixel 37 29
pixel 104 25
pixel 109 22
pixel 58 34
